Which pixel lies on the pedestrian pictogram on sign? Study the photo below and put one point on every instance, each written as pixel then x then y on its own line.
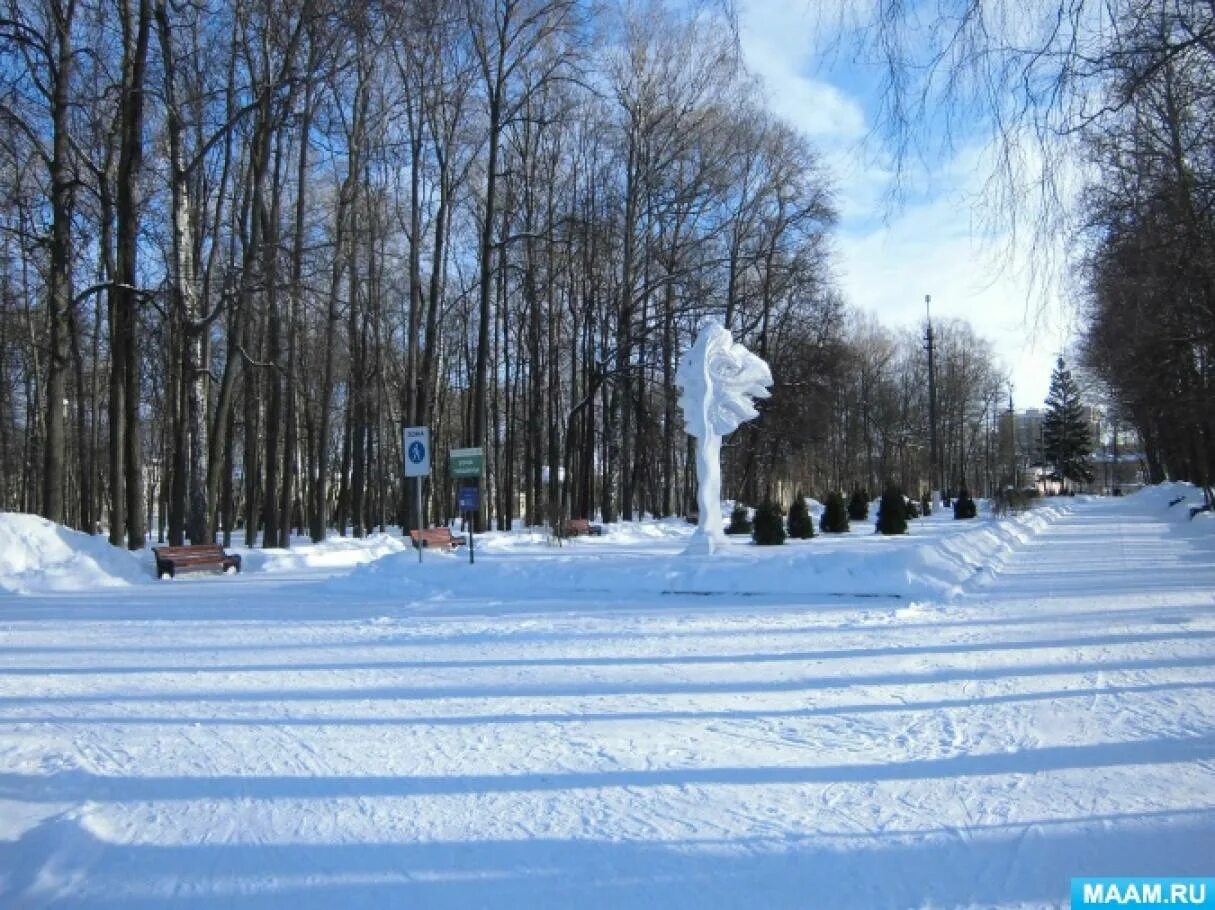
pixel 417 451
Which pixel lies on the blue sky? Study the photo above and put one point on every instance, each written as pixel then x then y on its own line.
pixel 889 257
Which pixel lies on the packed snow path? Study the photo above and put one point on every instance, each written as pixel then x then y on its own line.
pixel 260 742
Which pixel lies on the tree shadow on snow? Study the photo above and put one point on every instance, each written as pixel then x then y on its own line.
pixel 582 717
pixel 62 864
pixel 627 660
pixel 561 689
pixel 77 785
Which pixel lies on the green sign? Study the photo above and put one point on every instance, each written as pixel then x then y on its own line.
pixel 466 462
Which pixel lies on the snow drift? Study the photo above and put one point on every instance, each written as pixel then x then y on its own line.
pixel 332 554
pixel 1175 503
pixel 39 556
pixel 938 559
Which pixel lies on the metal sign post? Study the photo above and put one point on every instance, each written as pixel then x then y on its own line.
pixel 470 464
pixel 416 445
pixel 470 501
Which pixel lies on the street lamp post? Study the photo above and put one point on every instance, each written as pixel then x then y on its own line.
pixel 934 465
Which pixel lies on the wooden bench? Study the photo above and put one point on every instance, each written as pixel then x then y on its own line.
pixel 429 538
pixel 171 560
pixel 577 527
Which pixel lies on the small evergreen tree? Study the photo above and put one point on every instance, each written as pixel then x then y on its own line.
pixel 892 512
pixel 801 525
pixel 964 506
pixel 1066 439
pixel 926 503
pixel 858 505
pixel 769 524
pixel 835 515
pixel 910 508
pixel 739 522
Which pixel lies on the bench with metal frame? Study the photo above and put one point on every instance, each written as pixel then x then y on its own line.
pixel 580 527
pixel 430 538
pixel 171 560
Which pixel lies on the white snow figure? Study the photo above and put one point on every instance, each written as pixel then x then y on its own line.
pixel 719 378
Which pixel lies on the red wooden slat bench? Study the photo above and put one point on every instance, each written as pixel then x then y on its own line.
pixel 436 537
pixel 576 527
pixel 171 560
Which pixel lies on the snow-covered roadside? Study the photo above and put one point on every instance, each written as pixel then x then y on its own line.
pixel 937 560
pixel 630 559
pixel 934 561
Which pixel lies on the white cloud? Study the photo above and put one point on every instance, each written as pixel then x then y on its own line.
pixel 777 42
pixel 890 258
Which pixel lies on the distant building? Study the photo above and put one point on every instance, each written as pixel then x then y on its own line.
pixel 1022 453
pixel 1118 463
pixel 1021 446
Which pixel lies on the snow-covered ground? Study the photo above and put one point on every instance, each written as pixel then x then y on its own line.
pixel 965 717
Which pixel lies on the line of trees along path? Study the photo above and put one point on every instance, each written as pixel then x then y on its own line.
pixel 243 243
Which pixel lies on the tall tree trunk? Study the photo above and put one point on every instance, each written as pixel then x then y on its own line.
pixel 251 449
pixel 412 409
pixel 622 397
pixel 59 281
pixel 535 381
pixel 126 454
pixel 8 415
pixel 176 406
pixel 184 288
pixel 84 457
pixel 274 412
pixel 342 512
pixel 117 412
pixel 227 495
pixel 219 458
pixel 438 272
pixel 296 293
pixel 356 415
pixel 553 417
pixel 344 237
pixel 669 396
pixel 480 402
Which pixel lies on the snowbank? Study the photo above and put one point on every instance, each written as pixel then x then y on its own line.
pixel 632 560
pixel 1172 503
pixel 937 560
pixel 39 556
pixel 1158 497
pixel 334 553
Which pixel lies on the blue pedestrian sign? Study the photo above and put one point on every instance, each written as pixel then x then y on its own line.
pixel 416 443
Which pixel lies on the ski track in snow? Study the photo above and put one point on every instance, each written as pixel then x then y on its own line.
pixel 265 741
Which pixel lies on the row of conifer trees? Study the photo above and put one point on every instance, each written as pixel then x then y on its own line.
pixel 771 525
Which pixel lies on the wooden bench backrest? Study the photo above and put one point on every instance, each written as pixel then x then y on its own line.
pixel 198 550
pixel 436 534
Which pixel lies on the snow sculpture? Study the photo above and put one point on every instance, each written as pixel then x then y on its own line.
pixel 719 378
